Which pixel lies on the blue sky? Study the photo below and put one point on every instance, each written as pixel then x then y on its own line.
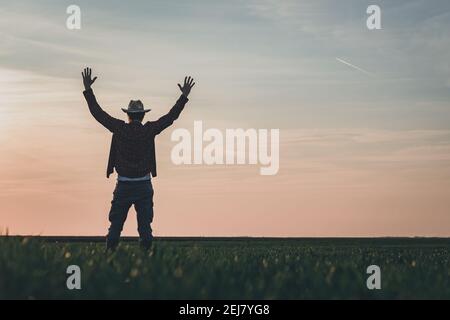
pixel 271 61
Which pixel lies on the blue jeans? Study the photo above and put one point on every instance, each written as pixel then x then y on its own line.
pixel 139 194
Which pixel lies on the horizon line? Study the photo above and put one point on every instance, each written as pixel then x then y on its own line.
pixel 216 238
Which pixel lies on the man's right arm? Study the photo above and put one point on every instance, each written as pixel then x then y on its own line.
pixel 97 112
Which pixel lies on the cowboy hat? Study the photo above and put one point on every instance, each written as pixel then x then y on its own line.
pixel 135 106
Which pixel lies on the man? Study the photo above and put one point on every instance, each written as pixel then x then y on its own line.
pixel 132 155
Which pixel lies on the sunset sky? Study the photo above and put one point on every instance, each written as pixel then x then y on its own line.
pixel 361 154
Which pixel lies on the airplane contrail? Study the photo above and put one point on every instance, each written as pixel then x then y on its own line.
pixel 354 67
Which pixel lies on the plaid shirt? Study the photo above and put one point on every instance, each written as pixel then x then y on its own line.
pixel 132 151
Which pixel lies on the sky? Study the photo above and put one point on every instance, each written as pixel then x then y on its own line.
pixel 361 153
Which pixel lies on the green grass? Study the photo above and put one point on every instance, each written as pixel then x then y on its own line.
pixel 228 269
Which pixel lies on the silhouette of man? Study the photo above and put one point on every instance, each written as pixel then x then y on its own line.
pixel 132 155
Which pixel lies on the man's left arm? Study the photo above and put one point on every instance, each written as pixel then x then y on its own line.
pixel 97 112
pixel 167 120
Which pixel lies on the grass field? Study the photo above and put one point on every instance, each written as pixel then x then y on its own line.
pixel 227 269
